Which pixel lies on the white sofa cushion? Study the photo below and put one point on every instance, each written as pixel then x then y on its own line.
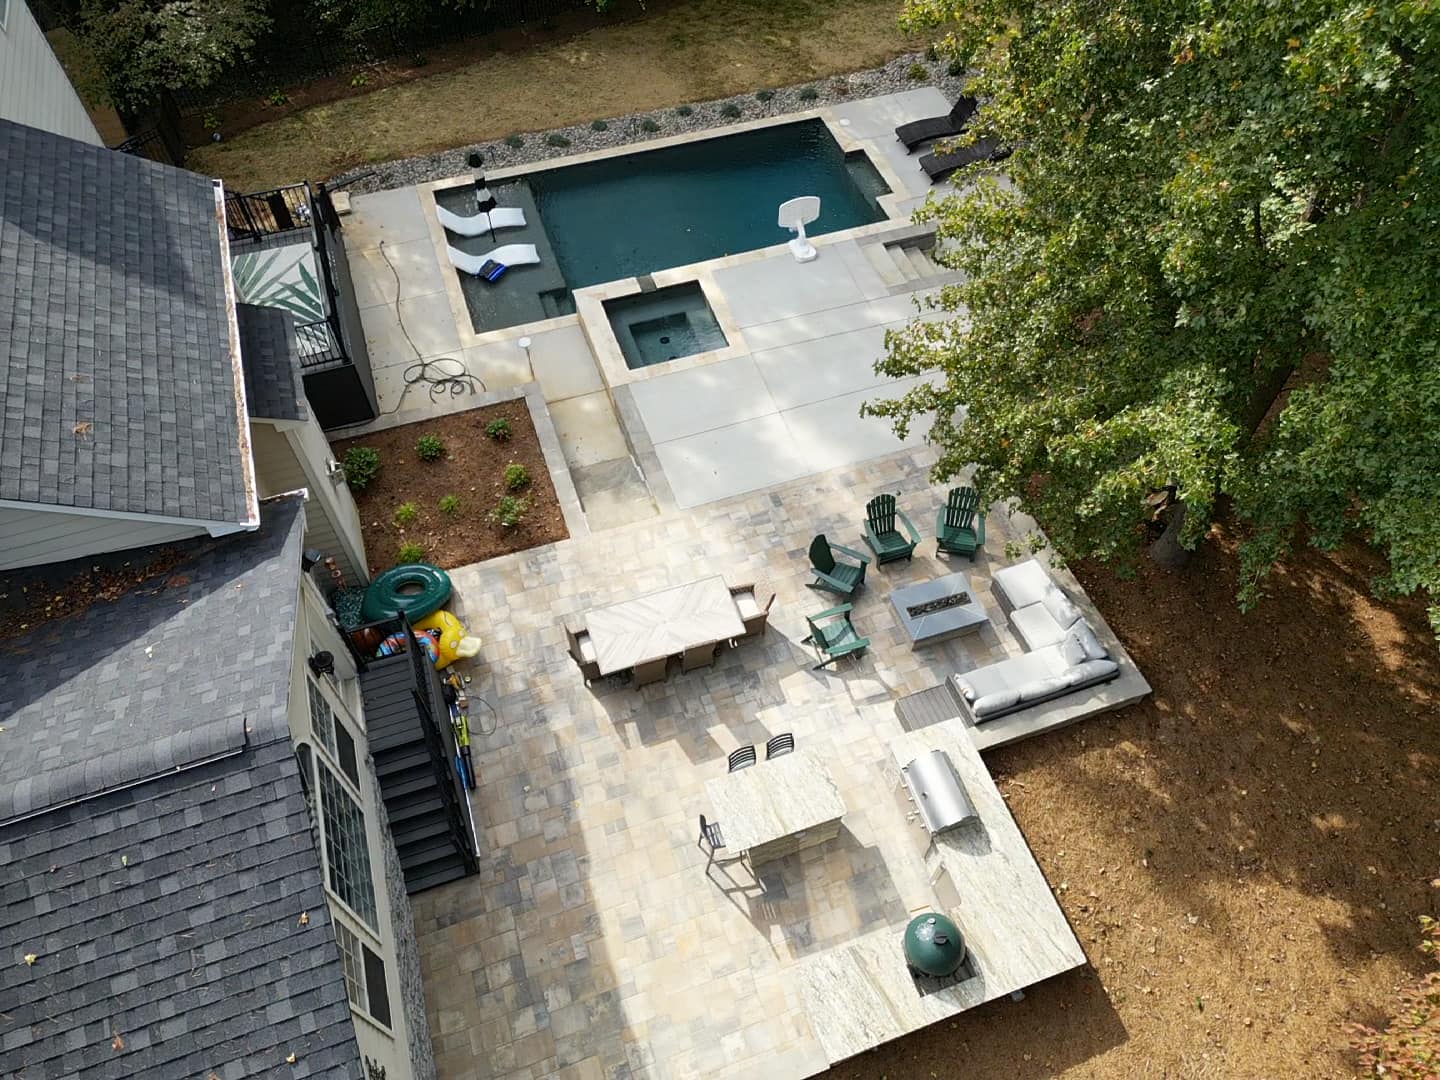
pixel 1010 674
pixel 1061 608
pixel 1022 584
pixel 1035 626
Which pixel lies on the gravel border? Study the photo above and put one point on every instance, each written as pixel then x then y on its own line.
pixel 525 147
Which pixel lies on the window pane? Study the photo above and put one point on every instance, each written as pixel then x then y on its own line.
pixel 354 966
pixel 345 752
pixel 379 992
pixel 322 720
pixel 345 849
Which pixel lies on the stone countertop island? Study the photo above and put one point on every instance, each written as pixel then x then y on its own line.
pixel 777 806
pixel 984 877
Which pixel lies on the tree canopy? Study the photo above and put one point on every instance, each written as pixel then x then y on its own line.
pixel 1213 263
pixel 145 46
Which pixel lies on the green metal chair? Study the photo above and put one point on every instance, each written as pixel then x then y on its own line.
pixel 882 533
pixel 960 526
pixel 834 635
pixel 839 577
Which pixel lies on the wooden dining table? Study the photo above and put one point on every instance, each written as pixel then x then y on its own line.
pixel 663 623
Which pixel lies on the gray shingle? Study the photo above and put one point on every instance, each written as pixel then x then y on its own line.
pixel 273 387
pixel 114 321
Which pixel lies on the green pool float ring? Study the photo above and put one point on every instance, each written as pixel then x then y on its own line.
pixel 417 589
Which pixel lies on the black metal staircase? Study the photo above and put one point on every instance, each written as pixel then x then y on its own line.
pixel 413 747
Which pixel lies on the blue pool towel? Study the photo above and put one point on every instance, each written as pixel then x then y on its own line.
pixel 492 271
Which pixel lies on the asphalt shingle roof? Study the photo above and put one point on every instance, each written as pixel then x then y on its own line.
pixel 166 856
pixel 172 672
pixel 273 386
pixel 117 373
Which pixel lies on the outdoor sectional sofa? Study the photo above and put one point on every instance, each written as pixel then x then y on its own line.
pixel 1062 653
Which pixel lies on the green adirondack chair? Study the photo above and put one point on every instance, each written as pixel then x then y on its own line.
pixel 882 521
pixel 834 635
pixel 960 526
pixel 838 577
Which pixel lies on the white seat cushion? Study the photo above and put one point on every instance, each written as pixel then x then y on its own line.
pixel 1035 626
pixel 587 647
pixel 747 604
pixel 1022 584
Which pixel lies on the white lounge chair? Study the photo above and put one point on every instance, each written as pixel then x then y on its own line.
pixel 506 255
pixel 502 217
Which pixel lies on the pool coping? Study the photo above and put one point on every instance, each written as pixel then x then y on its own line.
pixel 589 301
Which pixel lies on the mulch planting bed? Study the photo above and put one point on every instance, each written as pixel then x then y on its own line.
pixel 1244 855
pixel 472 468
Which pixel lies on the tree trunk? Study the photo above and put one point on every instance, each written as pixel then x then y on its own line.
pixel 1166 551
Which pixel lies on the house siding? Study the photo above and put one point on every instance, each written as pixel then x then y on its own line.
pixel 38 537
pixel 34 88
pixel 295 457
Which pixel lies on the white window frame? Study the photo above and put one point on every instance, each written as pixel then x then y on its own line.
pixel 347 788
pixel 354 961
pixel 315 689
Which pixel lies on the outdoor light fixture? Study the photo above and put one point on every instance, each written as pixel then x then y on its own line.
pixel 309 557
pixel 524 343
pixel 323 663
pixel 484 201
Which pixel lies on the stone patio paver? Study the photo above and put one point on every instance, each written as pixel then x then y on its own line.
pixel 597 938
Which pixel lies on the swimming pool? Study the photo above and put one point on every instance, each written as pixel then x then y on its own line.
pixel 626 216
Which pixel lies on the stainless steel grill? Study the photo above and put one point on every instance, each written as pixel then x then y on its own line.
pixel 937 792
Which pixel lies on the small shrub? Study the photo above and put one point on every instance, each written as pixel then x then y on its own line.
pixel 649 125
pixel 362 465
pixel 955 69
pixel 1409 1045
pixel 410 552
pixel 211 121
pixel 599 125
pixel 730 110
pixel 763 96
pixel 359 79
pixel 419 60
pixel 499 430
pixel 556 139
pixel 510 511
pixel 516 476
pixel 515 142
pixel 684 110
pixel 449 504
pixel 809 93
pixel 277 98
pixel 407 513
pixel 430 447
pixel 917 72
pixel 932 53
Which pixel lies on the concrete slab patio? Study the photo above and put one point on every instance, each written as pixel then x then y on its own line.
pixel 598 939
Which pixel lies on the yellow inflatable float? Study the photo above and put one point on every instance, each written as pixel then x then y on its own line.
pixel 451 641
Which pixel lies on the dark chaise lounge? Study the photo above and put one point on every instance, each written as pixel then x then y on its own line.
pixel 939 166
pixel 937 127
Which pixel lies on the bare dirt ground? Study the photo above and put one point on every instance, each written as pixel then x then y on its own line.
pixel 586 68
pixel 472 469
pixel 1244 856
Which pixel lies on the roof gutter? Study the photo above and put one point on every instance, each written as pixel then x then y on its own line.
pixel 237 368
pixel 213 528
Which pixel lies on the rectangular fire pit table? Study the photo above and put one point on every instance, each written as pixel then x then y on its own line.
pixel 943 608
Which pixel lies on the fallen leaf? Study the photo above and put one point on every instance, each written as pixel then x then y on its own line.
pixel 304 918
pixel 124 860
pixel 30 958
pixel 290 1060
pixel 117 1043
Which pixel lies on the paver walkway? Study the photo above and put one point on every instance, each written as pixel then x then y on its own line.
pixel 594 942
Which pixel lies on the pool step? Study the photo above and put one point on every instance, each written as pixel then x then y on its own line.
pixel 899 265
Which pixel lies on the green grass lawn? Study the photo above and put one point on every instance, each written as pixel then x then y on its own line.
pixel 686 51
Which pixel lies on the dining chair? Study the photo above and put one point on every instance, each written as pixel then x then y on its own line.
pixel 742 758
pixel 582 651
pixel 710 834
pixel 780 744
pixel 651 671
pixel 753 601
pixel 698 656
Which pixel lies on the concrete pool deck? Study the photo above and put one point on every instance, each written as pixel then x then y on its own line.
pixel 779 403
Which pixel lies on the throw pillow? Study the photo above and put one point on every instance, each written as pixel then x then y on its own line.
pixel 1072 649
pixel 1089 642
pixel 966 689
